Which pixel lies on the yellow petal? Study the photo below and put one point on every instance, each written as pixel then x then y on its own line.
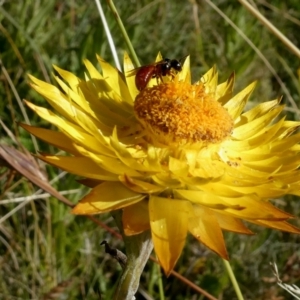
pixel 178 167
pixel 274 165
pixel 210 79
pixel 125 156
pixel 185 74
pixel 64 105
pixel 204 226
pixel 264 134
pixel 130 75
pixel 166 180
pixel 72 80
pixel 105 197
pixel 72 131
pixel 82 166
pixel 280 225
pixel 91 183
pixel 54 138
pixel 259 140
pixel 288 128
pixel 259 110
pixel 231 224
pixel 270 189
pixel 140 186
pixel 281 145
pixel 236 104
pixel 159 57
pixel 112 164
pixel 169 224
pixel 136 218
pixel 251 128
pixel 73 91
pixel 225 90
pixel 116 80
pixel 103 107
pixel 248 207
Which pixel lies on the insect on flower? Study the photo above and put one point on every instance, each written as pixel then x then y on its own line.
pixel 157 70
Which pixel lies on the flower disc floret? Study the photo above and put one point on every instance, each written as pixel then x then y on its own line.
pixel 178 113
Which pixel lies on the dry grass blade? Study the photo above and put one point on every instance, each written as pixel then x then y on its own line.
pixel 290 288
pixel 27 166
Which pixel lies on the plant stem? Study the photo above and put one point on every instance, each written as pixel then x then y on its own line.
pixel 233 280
pixel 123 31
pixel 138 249
pixel 282 37
pixel 160 283
pixel 108 34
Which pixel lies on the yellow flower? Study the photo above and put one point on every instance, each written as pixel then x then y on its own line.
pixel 175 157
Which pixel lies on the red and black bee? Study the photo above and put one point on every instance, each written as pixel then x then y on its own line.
pixel 156 70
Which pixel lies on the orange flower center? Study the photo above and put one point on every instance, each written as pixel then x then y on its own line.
pixel 178 113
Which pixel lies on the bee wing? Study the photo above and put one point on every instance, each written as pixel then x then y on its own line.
pixel 135 70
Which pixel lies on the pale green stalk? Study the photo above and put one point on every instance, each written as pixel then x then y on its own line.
pixel 160 283
pixel 108 34
pixel 124 32
pixel 138 249
pixel 233 280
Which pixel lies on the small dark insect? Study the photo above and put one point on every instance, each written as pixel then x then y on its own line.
pixel 156 70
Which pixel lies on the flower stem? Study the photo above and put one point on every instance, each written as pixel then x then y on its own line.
pixel 138 249
pixel 282 37
pixel 160 283
pixel 233 280
pixel 123 31
pixel 108 34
